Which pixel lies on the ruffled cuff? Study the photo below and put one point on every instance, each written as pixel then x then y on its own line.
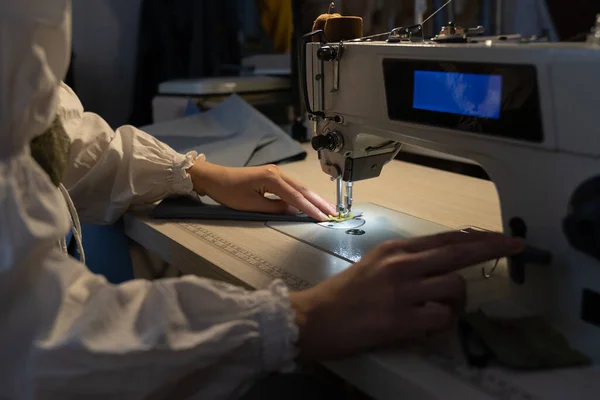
pixel 278 329
pixel 181 183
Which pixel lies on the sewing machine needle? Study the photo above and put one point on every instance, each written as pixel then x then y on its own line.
pixel 339 198
pixel 348 197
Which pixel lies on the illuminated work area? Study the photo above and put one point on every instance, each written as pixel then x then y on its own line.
pixel 306 200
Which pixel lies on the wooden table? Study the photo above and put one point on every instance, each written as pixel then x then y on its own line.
pixel 443 197
pixel 446 198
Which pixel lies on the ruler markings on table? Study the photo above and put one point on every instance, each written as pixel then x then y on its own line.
pixel 247 256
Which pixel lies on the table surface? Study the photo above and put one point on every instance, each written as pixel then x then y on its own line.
pixel 252 255
pixel 443 197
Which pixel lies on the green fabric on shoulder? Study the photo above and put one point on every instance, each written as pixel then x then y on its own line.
pixel 51 151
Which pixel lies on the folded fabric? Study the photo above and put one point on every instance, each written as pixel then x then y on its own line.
pixel 232 134
pixel 190 208
pixel 524 343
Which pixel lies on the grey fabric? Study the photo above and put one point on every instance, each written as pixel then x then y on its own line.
pixel 282 148
pixel 233 134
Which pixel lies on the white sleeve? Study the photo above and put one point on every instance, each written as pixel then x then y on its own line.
pixel 176 337
pixel 69 331
pixel 134 168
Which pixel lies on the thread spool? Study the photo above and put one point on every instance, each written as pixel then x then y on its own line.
pixel 319 23
pixel 343 28
pixel 337 27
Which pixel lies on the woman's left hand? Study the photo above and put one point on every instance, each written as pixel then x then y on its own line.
pixel 245 189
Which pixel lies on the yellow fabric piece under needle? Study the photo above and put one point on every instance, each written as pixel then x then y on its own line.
pixel 341 219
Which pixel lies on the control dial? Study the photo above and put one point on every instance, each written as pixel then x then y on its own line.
pixel 331 141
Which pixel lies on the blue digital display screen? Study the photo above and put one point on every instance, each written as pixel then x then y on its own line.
pixel 474 95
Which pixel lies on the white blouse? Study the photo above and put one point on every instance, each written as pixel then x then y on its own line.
pixel 67 333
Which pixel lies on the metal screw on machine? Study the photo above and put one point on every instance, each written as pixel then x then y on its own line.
pixel 453 34
pixel 327 53
pixel 450 29
pixel 331 141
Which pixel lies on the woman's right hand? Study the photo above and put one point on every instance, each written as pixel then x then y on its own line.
pixel 401 290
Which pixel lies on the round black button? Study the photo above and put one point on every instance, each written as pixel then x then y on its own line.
pixel 326 53
pixel 319 142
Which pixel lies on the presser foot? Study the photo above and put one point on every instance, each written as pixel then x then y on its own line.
pixel 343 200
pixel 341 217
pixel 353 221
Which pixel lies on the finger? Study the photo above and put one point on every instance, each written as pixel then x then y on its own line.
pixel 322 204
pixel 433 317
pixel 442 260
pixel 294 198
pixel 423 243
pixel 450 288
pixel 418 244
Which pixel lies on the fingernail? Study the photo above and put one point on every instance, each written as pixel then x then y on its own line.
pixel 292 210
pixel 323 217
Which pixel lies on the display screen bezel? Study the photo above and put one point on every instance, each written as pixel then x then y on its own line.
pixel 520 114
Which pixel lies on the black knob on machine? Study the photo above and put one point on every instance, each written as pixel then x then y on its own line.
pixel 327 53
pixel 530 255
pixel 331 141
pixel 319 142
pixel 582 223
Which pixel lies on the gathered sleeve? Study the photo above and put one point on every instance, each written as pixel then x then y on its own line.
pixel 67 333
pixel 110 171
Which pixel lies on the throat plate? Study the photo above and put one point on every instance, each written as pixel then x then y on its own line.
pixel 378 223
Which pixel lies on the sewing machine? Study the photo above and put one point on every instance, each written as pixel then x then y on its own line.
pixel 371 107
pixel 527 112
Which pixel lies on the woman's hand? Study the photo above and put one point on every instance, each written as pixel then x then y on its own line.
pixel 245 189
pixel 400 291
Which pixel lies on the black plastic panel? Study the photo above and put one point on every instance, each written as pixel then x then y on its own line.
pixel 590 307
pixel 519 115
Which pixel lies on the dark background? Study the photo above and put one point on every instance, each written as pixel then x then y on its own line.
pixel 122 49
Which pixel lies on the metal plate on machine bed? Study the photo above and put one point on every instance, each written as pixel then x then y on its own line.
pixel 376 225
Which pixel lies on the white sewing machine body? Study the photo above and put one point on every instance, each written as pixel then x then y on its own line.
pixel 537 135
